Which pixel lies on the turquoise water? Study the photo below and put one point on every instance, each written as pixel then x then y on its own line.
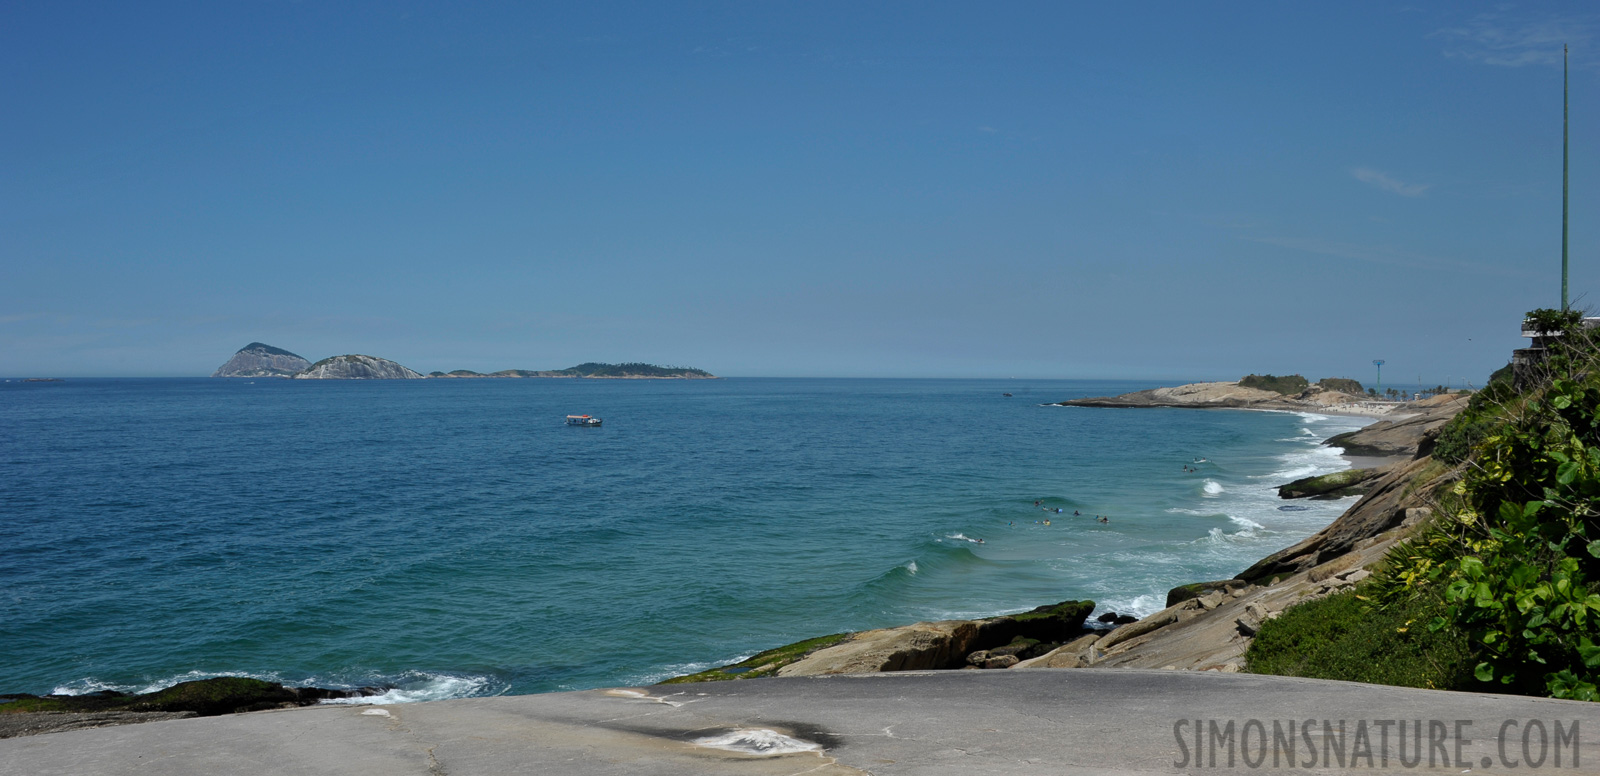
pixel 452 537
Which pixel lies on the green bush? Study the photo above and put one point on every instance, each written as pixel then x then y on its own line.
pixel 1345 637
pixel 1516 559
pixel 1342 385
pixel 1286 385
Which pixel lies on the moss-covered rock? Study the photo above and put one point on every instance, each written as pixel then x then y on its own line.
pixel 1350 482
pixel 205 697
pixel 763 664
pixel 1055 622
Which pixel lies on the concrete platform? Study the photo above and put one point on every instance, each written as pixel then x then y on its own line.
pixel 952 722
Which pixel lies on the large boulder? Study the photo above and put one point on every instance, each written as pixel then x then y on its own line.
pixel 1350 482
pixel 944 644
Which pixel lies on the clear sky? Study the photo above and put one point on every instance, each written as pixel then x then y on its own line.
pixel 1171 190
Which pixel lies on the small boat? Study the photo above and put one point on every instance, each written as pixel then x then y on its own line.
pixel 1006 395
pixel 582 420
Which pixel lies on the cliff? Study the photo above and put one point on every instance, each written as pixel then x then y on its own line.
pixel 356 367
pixel 261 360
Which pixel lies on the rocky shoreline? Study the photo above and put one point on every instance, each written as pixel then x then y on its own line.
pixel 26 715
pixel 1206 626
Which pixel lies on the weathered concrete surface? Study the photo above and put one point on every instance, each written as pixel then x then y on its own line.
pixel 952 722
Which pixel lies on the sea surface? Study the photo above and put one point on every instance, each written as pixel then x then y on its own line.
pixel 450 538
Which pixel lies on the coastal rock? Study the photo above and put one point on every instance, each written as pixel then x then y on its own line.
pixel 1226 395
pixel 1383 508
pixel 1183 593
pixel 203 697
pixel 1134 630
pixel 944 644
pixel 1350 482
pixel 1220 394
pixel 356 367
pixel 1404 436
pixel 261 360
pixel 1074 654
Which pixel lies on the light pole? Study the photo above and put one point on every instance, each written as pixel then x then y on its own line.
pixel 1378 362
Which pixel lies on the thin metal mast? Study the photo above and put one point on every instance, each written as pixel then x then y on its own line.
pixel 1563 177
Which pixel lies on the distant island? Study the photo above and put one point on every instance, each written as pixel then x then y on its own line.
pixel 261 360
pixel 592 369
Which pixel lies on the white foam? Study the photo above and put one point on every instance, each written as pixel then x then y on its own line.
pixel 1138 606
pixel 89 685
pixel 758 741
pixel 1212 488
pixel 429 687
pixel 911 567
pixel 964 538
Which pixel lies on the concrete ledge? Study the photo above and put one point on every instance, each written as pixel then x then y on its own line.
pixel 1047 721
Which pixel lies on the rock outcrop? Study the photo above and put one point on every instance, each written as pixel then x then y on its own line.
pixel 1225 395
pixel 32 714
pixel 356 367
pixel 261 360
pixel 1350 482
pixel 1404 436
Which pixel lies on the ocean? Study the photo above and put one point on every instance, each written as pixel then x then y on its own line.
pixel 453 538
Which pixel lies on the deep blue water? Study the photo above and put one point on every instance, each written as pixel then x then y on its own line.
pixel 453 537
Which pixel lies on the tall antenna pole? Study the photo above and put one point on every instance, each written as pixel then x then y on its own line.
pixel 1563 177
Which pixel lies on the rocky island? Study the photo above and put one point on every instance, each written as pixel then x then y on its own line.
pixel 261 360
pixel 594 371
pixel 356 367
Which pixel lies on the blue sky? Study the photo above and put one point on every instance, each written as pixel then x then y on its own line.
pixel 1163 190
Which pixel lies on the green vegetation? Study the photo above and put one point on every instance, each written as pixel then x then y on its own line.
pixel 764 664
pixel 1342 636
pixel 1507 574
pixel 268 349
pixel 1342 385
pixel 632 369
pixel 1287 385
